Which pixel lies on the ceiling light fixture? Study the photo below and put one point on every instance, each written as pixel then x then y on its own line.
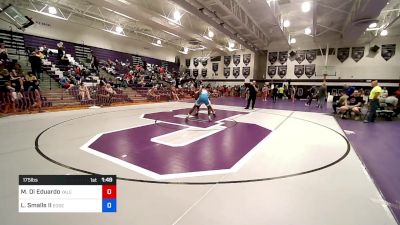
pixel 159 42
pixel 177 15
pixel 293 40
pixel 119 29
pixel 305 7
pixel 52 10
pixel 231 44
pixel 373 25
pixel 210 34
pixel 184 50
pixel 125 2
pixel 286 23
pixel 307 31
pixel 384 33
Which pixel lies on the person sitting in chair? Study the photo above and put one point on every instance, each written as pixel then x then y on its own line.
pixel 353 106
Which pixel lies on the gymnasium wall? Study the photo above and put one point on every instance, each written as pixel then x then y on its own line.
pixel 219 76
pixel 58 29
pixel 375 67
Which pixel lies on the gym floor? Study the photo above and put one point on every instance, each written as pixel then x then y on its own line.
pixel 281 163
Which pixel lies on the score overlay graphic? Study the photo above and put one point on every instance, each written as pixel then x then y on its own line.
pixel 67 193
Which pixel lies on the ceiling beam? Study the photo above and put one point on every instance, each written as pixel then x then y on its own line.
pixel 198 12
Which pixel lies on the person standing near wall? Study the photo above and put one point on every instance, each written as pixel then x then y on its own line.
pixel 274 93
pixel 94 63
pixel 322 93
pixel 252 95
pixel 293 92
pixel 373 101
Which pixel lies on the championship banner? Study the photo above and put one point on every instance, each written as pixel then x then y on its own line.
pixel 203 72
pixel 388 51
pixel 298 70
pixel 246 59
pixel 272 57
pixel 357 53
pixel 311 55
pixel 236 71
pixel 309 70
pixel 283 56
pixel 246 71
pixel 227 60
pixel 227 72
pixel 215 67
pixel 300 56
pixel 187 61
pixel 236 59
pixel 195 62
pixel 187 72
pixel 204 62
pixel 271 71
pixel 282 70
pixel 343 54
pixel 195 72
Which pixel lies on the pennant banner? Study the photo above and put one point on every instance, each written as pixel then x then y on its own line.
pixel 187 72
pixel 272 57
pixel 227 60
pixel 283 56
pixel 357 53
pixel 298 70
pixel 236 59
pixel 310 70
pixel 195 62
pixel 388 51
pixel 203 72
pixel 195 72
pixel 343 54
pixel 236 71
pixel 246 59
pixel 227 72
pixel 311 55
pixel 204 62
pixel 271 71
pixel 300 56
pixel 246 71
pixel 215 67
pixel 282 70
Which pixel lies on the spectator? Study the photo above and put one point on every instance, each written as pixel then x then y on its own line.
pixel 264 91
pixel 60 51
pixel 384 93
pixel 322 93
pixel 36 63
pixel 152 94
pixel 281 91
pixel 3 53
pixel 65 83
pixel 352 105
pixel 252 95
pixel 18 70
pixel 341 102
pixel 37 97
pixel 84 92
pixel 293 93
pixel 310 95
pixel 44 50
pixel 109 89
pixel 13 94
pixel 174 94
pixel 95 63
pixel 373 101
pixel 274 93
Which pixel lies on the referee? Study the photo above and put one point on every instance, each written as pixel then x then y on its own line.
pixel 252 95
